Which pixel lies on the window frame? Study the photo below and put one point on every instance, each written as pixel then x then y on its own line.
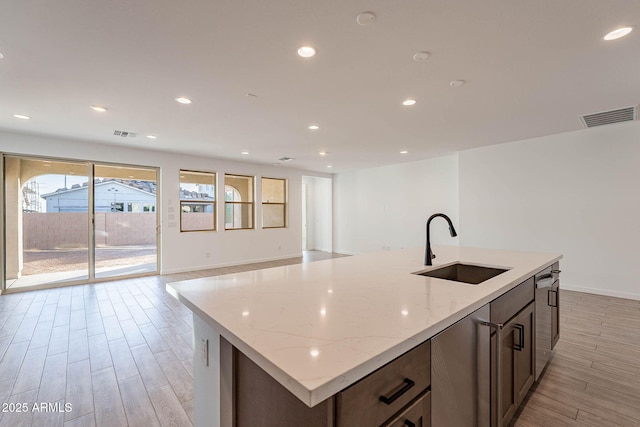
pixel 251 204
pixel 192 201
pixel 283 204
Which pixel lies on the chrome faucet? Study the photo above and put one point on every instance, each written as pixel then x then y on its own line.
pixel 428 255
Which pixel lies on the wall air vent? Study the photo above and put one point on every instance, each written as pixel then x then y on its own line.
pixel 286 159
pixel 608 117
pixel 124 134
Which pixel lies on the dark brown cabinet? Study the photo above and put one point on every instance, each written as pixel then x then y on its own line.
pixel 417 414
pixel 397 394
pixel 378 396
pixel 516 345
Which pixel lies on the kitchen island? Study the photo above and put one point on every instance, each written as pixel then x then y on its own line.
pixel 317 328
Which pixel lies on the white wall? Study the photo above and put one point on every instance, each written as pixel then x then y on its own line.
pixel 319 217
pixel 187 251
pixel 387 207
pixel 574 193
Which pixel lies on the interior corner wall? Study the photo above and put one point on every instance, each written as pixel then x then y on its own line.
pixel 193 250
pixel 573 193
pixel 386 208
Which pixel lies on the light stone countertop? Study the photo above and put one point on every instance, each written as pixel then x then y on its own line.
pixel 319 327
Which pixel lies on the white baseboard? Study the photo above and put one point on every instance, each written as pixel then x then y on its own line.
pixel 604 292
pixel 227 264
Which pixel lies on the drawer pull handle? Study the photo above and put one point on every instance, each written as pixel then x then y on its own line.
pixel 409 423
pixel 405 388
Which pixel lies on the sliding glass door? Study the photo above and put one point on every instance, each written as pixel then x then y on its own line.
pixel 74 222
pixel 125 209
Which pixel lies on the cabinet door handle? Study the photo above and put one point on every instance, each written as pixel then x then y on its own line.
pixel 409 423
pixel 555 299
pixel 408 383
pixel 520 344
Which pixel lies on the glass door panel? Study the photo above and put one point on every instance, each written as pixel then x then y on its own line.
pixel 46 221
pixel 125 209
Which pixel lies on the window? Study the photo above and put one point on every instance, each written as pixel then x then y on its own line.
pixel 274 203
pixel 197 201
pixel 117 207
pixel 238 202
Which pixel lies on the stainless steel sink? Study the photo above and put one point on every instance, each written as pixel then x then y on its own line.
pixel 465 273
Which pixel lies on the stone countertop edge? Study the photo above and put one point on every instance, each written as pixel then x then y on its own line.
pixel 357 370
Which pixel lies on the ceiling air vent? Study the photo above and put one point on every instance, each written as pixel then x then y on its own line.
pixel 124 134
pixel 286 159
pixel 608 117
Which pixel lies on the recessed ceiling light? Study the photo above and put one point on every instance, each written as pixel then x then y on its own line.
pixel 244 153
pixel 21 117
pixel 329 166
pixel 99 108
pixel 322 153
pixel 250 95
pixel 409 102
pixel 456 83
pixel 1 56
pixel 152 137
pixel 306 51
pixel 616 34
pixel 314 127
pixel 404 152
pixel 421 56
pixel 366 18
pixel 183 100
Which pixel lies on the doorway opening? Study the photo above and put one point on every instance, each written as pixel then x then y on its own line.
pixel 316 214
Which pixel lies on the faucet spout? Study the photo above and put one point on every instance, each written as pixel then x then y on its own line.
pixel 428 254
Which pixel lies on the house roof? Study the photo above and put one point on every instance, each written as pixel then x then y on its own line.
pixel 78 187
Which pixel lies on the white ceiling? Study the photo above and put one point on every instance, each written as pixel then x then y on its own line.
pixel 532 67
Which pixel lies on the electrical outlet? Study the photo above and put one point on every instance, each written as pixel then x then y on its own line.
pixel 204 350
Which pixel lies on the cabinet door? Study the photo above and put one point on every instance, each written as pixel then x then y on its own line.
pixel 507 394
pixel 417 414
pixel 554 302
pixel 517 368
pixel 523 352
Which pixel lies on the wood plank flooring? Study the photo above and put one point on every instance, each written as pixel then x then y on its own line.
pixel 120 353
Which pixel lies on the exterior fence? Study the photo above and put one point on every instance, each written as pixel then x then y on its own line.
pixel 60 230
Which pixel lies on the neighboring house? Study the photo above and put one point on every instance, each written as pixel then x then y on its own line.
pixel 198 201
pixel 109 196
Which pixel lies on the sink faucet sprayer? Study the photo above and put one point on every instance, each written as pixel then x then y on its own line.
pixel 428 255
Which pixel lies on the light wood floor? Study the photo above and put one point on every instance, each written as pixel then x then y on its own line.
pixel 120 353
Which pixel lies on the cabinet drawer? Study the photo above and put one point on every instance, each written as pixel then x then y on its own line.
pixel 417 414
pixel 508 305
pixel 360 404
